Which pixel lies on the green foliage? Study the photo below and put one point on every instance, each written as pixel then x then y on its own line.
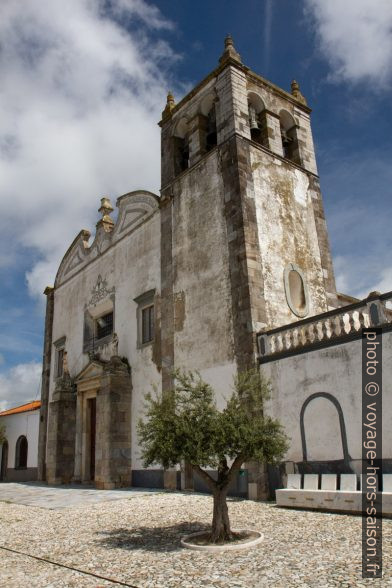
pixel 185 424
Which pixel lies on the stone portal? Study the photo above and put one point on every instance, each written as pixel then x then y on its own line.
pixel 103 424
pixel 90 427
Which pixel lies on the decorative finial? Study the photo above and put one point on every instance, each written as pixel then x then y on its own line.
pixel 296 92
pixel 106 209
pixel 170 104
pixel 230 51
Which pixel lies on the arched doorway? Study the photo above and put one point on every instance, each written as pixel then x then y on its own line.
pixel 4 461
pixel 21 453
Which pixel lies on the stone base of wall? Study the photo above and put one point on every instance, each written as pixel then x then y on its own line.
pixel 21 475
pixel 156 479
pixel 147 478
pixel 238 487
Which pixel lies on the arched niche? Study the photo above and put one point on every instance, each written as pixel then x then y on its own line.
pixel 288 132
pixel 323 430
pixel 257 119
pixel 296 290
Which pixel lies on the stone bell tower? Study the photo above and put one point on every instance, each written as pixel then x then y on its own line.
pixel 244 240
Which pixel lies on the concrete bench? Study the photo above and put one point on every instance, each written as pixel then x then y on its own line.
pixel 387 483
pixel 321 493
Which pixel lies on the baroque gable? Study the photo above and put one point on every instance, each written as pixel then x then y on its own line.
pixel 134 209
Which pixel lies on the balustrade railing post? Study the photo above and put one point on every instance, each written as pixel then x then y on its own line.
pixel 377 314
pixel 263 344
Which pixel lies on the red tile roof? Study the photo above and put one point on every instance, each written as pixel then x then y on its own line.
pixel 24 408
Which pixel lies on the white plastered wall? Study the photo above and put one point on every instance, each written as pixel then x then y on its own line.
pixel 27 424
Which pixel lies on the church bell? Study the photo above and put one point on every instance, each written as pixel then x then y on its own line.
pixel 253 122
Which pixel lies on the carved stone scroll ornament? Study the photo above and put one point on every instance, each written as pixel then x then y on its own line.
pixel 100 291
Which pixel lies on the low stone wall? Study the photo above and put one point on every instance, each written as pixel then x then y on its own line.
pixel 331 501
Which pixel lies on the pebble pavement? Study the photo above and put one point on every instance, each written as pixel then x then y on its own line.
pixel 134 540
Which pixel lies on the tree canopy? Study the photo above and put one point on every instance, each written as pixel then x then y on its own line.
pixel 185 425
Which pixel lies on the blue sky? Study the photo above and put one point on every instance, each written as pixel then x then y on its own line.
pixel 83 85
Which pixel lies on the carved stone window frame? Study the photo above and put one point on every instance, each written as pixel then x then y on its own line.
pixel 91 315
pixel 294 267
pixel 143 301
pixel 59 346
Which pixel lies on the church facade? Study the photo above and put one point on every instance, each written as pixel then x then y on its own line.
pixel 205 276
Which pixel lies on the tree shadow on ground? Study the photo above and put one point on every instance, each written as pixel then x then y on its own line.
pixel 150 538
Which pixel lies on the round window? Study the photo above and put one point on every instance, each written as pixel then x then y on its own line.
pixel 296 291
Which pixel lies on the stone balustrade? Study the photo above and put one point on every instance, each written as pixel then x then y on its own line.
pixel 324 329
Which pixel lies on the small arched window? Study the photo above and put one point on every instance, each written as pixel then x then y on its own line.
pixel 296 290
pixel 181 147
pixel 208 136
pixel 21 450
pixel 257 119
pixel 288 132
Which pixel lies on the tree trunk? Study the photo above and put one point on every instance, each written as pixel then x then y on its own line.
pixel 221 532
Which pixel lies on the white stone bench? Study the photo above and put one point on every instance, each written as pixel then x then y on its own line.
pixel 387 483
pixel 347 499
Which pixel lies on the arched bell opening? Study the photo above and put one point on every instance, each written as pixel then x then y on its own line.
pixel 207 124
pixel 288 133
pixel 257 119
pixel 181 146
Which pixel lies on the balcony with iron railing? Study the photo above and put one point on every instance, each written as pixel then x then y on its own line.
pixel 330 328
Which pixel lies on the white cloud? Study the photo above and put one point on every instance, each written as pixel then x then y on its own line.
pixel 20 384
pixel 80 99
pixel 355 36
pixel 341 274
pixel 358 209
pixel 383 284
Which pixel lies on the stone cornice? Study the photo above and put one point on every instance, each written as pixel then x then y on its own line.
pixel 251 75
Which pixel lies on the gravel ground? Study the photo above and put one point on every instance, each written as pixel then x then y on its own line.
pixel 136 542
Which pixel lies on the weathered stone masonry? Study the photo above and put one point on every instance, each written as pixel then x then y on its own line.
pixel 236 244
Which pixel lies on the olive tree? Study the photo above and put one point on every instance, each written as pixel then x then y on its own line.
pixel 184 424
